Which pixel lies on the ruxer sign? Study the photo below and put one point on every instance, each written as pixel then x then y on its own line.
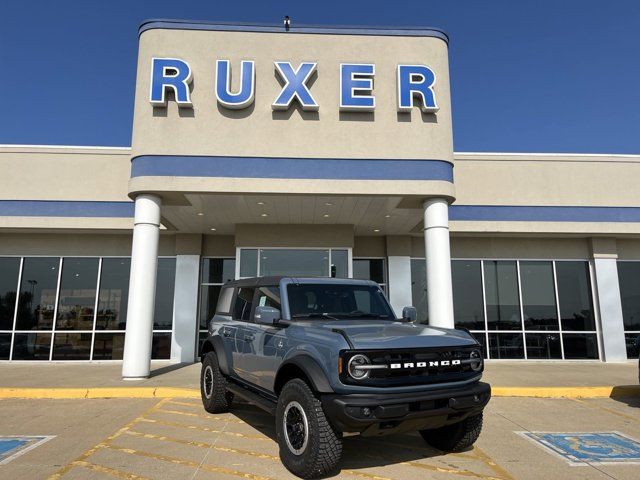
pixel 414 85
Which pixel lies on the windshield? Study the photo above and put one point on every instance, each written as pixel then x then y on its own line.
pixel 337 301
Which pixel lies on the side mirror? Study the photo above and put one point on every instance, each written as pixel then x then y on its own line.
pixel 266 315
pixel 409 314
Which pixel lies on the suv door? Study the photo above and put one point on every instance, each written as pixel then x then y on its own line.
pixel 226 327
pixel 261 342
pixel 242 314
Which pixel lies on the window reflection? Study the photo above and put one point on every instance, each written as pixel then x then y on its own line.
pixel 629 277
pixel 538 296
pixel 76 301
pixel 501 293
pixel 9 269
pixel 303 263
pixel 72 346
pixel 218 270
pixel 466 278
pixel 108 346
pixel 543 345
pixel 506 345
pixel 37 299
pixel 574 296
pixel 31 346
pixel 419 288
pixel 165 286
pixel 114 294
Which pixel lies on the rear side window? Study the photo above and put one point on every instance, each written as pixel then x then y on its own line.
pixel 224 300
pixel 242 307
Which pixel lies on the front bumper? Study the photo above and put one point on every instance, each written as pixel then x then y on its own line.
pixel 394 413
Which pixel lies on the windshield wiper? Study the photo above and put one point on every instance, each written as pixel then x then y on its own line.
pixel 313 315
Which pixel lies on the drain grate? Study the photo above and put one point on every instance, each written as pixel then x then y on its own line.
pixel 583 448
pixel 14 446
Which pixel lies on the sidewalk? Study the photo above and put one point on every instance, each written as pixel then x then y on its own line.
pixel 82 380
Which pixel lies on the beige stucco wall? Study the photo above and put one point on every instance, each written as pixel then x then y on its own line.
pixel 64 173
pixel 75 244
pixel 208 129
pixel 249 235
pixel 547 179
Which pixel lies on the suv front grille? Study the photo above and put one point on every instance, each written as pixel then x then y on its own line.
pixel 415 366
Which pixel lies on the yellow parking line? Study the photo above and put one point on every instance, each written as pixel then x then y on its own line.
pixel 65 469
pixel 608 410
pixel 200 415
pixel 453 471
pixel 205 429
pixel 195 443
pixel 187 463
pixel 478 453
pixel 109 471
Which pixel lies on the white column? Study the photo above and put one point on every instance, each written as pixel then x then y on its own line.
pixel 185 309
pixel 438 253
pixel 142 288
pixel 609 300
pixel 399 283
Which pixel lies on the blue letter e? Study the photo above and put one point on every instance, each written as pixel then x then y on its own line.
pixel 416 81
pixel 170 73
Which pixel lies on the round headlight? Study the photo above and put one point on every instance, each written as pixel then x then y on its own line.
pixel 476 360
pixel 354 365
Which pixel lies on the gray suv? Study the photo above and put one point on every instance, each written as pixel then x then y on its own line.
pixel 328 356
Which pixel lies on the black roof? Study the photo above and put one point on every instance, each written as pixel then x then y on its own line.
pixel 275 280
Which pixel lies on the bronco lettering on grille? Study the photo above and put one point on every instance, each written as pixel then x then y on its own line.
pixel 432 363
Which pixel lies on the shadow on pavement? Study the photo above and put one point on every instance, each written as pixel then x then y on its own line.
pixel 358 452
pixel 167 369
pixel 628 394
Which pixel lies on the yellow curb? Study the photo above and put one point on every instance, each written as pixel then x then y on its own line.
pixel 567 392
pixel 176 392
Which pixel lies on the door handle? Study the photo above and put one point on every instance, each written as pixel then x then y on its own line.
pixel 249 338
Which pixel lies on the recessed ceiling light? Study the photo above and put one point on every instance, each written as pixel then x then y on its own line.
pixel 200 214
pixel 264 214
pixel 328 204
pixel 213 229
pixel 387 216
pixel 260 203
pixel 376 230
pixel 326 215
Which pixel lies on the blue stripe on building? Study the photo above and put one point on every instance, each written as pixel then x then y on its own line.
pixel 505 213
pixel 291 168
pixel 44 208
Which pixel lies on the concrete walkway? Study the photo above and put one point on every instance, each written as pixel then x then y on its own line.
pixel 498 374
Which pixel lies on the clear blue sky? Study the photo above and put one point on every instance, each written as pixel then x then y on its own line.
pixel 529 76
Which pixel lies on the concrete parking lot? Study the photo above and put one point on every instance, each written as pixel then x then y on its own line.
pixel 174 438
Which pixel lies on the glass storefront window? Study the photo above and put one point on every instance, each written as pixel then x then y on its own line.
pixel 339 263
pixel 9 271
pixel 574 296
pixel 79 327
pixel 303 263
pixel 419 288
pixel 77 296
pixel 248 262
pixel 165 286
pixel 501 293
pixel 629 279
pixel 208 300
pixel 506 345
pixel 580 346
pixel 543 345
pixel 37 299
pixel 218 270
pixel 466 276
pixel 538 296
pixel 114 294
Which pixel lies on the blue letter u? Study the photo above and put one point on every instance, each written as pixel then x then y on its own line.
pixel 244 97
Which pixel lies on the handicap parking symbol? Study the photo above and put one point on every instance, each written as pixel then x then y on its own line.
pixel 14 446
pixel 588 447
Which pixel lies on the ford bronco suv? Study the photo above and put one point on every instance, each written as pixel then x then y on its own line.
pixel 328 357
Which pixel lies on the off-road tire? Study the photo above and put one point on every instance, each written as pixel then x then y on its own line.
pixel 324 444
pixel 455 437
pixel 216 398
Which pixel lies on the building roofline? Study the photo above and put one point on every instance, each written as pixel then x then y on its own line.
pixel 399 31
pixel 543 154
pixel 63 147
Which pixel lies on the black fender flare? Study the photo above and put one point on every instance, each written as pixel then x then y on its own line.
pixel 312 370
pixel 215 344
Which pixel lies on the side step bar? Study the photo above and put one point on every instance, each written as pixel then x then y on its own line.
pixel 253 398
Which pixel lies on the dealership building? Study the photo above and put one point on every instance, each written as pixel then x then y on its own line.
pixel 312 151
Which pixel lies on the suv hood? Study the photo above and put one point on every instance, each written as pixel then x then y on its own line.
pixel 382 334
